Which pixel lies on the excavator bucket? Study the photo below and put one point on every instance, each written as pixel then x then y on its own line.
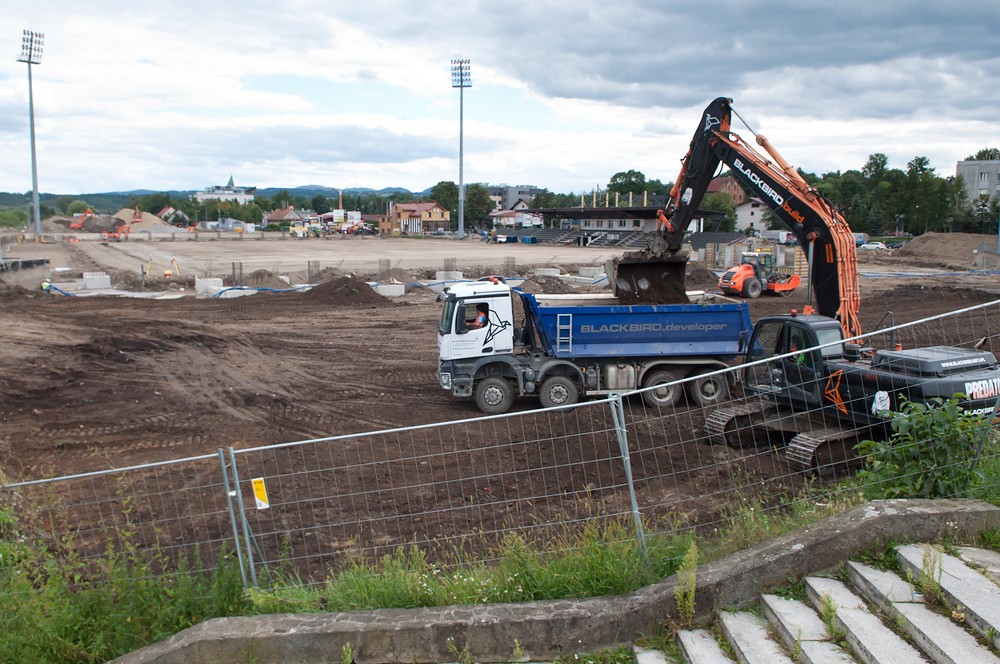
pixel 645 277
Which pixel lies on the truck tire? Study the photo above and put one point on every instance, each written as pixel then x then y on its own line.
pixel 558 391
pixel 663 396
pixel 752 288
pixel 708 390
pixel 493 395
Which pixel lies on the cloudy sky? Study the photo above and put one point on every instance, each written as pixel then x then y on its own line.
pixel 181 95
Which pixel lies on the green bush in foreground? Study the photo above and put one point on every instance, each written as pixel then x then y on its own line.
pixel 933 452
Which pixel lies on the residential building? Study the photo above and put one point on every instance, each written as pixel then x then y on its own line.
pixel 727 184
pixel 227 192
pixel 504 196
pixel 285 215
pixel 750 215
pixel 981 178
pixel 418 219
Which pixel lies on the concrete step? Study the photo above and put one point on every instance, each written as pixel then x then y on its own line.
pixel 698 646
pixel 802 631
pixel 751 640
pixel 648 656
pixel 870 640
pixel 971 595
pixel 938 637
pixel 986 561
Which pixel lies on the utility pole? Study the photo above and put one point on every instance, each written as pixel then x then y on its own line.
pixel 461 79
pixel 31 53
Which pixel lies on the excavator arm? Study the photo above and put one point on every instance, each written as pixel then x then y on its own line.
pixel 820 230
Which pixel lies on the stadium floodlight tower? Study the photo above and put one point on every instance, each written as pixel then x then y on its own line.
pixel 461 78
pixel 31 53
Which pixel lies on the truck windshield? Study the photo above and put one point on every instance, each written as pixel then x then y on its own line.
pixel 447 315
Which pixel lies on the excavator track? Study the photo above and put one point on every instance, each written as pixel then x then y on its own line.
pixel 801 451
pixel 722 424
pixel 755 423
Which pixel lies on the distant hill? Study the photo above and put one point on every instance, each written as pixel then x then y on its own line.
pixel 310 190
pixel 116 200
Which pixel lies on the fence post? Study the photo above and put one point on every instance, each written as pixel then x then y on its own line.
pixel 243 517
pixel 230 493
pixel 618 415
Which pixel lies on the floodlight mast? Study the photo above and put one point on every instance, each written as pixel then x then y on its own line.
pixel 461 79
pixel 31 53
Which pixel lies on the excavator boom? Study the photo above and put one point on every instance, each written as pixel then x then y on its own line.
pixel 819 228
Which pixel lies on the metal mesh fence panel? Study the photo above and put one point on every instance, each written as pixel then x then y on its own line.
pixel 173 508
pixel 791 424
pixel 334 501
pixel 733 444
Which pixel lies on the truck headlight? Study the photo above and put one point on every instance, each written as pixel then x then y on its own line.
pixel 445 380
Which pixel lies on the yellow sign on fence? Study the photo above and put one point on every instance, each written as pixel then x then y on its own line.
pixel 260 493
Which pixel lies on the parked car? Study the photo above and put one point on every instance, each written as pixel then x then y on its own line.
pixel 874 246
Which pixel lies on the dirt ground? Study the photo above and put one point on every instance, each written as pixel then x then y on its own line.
pixel 90 383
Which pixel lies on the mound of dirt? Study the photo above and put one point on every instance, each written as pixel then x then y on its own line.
pixel 348 290
pixel 264 279
pixel 700 278
pixel 8 292
pixel 945 248
pixel 546 284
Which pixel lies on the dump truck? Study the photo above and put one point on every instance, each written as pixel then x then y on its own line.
pixel 569 346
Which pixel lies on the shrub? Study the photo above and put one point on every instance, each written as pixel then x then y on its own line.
pixel 932 453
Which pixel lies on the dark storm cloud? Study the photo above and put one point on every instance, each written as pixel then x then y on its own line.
pixel 841 59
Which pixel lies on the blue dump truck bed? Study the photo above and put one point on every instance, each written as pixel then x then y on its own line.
pixel 574 326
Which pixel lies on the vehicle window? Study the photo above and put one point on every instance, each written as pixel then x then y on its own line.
pixel 765 343
pixel 477 314
pixel 447 315
pixel 829 335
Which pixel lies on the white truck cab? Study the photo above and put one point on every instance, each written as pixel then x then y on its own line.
pixel 458 338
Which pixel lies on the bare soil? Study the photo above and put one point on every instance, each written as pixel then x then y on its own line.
pixel 90 383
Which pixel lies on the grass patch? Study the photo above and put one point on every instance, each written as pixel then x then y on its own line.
pixel 56 606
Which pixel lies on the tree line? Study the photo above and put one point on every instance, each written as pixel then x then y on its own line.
pixel 874 199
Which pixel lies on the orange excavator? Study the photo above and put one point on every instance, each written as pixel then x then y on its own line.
pixel 820 230
pixel 116 234
pixel 78 222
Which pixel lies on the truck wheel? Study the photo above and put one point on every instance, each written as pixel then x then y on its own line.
pixel 558 391
pixel 752 288
pixel 664 395
pixel 708 390
pixel 494 395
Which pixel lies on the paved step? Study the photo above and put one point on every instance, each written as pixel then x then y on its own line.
pixel 871 641
pixel 751 640
pixel 698 646
pixel 802 631
pixel 648 656
pixel 792 630
pixel 938 637
pixel 986 561
pixel 970 593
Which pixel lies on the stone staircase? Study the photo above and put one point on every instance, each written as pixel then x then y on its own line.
pixel 873 617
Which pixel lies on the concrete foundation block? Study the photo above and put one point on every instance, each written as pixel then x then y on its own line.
pixel 390 290
pixel 96 281
pixel 203 286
